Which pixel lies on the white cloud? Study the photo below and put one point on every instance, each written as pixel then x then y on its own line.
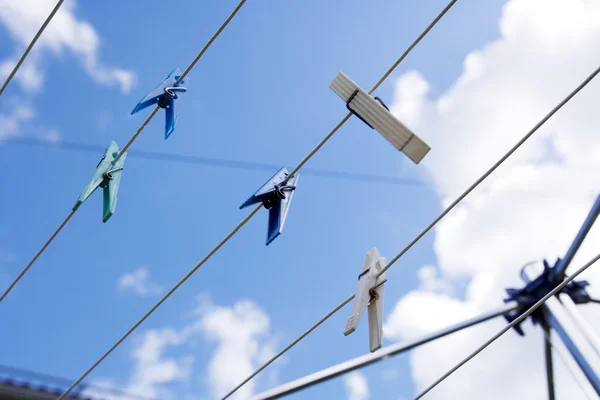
pixel 431 282
pixel 11 124
pixel 243 341
pixel 66 31
pixel 152 370
pixel 357 387
pixel 138 282
pixel 530 208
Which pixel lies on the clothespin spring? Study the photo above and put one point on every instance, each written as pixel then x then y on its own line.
pixel 269 202
pixel 373 291
pixel 280 190
pixel 108 174
pixel 354 112
pixel 168 95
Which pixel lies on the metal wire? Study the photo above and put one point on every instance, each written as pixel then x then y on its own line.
pixel 183 75
pixel 210 41
pixel 492 169
pixel 39 253
pixel 38 377
pixel 135 135
pixel 312 153
pixel 162 300
pixel 518 320
pixel 458 200
pixel 567 363
pixel 289 346
pixel 377 84
pixel 295 170
pixel 28 49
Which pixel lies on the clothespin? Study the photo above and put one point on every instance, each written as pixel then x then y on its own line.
pixel 107 176
pixel 277 199
pixel 374 113
pixel 370 291
pixel 167 95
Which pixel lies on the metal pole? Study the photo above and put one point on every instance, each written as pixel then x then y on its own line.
pixel 581 322
pixel 559 320
pixel 580 349
pixel 371 358
pixel 549 366
pixel 569 364
pixel 561 266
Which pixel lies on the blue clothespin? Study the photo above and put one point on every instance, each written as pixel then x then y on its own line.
pixel 277 199
pixel 167 95
pixel 108 177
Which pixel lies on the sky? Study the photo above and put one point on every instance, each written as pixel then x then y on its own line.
pixel 482 78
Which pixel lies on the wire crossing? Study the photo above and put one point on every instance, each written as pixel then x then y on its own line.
pixel 258 207
pixel 28 49
pixel 131 140
pixel 435 221
pixel 510 326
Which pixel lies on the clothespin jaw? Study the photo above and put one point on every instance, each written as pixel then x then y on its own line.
pixel 374 113
pixel 167 95
pixel 277 198
pixel 369 295
pixel 108 177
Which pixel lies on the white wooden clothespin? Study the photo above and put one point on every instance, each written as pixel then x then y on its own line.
pixel 374 113
pixel 370 291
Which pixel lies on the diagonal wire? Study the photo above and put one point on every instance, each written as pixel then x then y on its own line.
pixel 28 49
pixel 18 374
pixel 375 87
pixel 132 139
pixel 510 326
pixel 446 211
pixel 183 75
pixel 493 168
pixel 39 253
pixel 288 347
pixel 339 125
pixel 165 297
pixel 245 220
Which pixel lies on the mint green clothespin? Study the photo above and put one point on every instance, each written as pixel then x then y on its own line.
pixel 107 176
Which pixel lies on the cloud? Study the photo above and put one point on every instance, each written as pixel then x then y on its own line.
pixel 530 208
pixel 11 123
pixel 356 386
pixel 242 336
pixel 66 32
pixel 152 370
pixel 243 341
pixel 431 282
pixel 138 282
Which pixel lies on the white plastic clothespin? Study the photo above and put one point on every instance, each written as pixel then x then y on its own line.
pixel 374 113
pixel 370 291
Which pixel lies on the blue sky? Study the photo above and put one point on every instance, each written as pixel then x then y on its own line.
pixel 259 94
